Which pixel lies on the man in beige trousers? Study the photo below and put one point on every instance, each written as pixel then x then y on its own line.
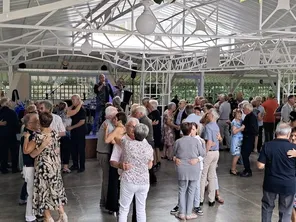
pixel 211 158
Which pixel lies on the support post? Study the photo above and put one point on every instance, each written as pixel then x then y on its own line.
pixel 202 84
pixel 279 79
pixel 10 69
pixel 6 6
pixel 143 77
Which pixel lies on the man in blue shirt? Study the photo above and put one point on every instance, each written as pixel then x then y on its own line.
pixel 279 176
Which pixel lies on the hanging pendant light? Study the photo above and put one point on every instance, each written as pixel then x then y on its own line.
pixel 86 47
pixel 146 22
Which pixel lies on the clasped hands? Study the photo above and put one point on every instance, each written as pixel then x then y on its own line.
pixel 125 166
pixel 191 161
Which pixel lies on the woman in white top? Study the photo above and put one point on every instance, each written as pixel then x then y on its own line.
pixel 135 181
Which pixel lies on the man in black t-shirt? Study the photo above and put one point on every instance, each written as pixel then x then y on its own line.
pixel 279 176
pixel 78 132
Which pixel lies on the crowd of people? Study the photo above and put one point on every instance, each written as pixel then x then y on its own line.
pixel 47 140
pixel 131 146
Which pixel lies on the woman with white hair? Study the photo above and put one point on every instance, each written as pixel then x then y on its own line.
pixel 154 115
pixel 169 131
pixel 135 181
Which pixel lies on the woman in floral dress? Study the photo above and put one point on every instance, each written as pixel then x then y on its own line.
pixel 169 131
pixel 49 192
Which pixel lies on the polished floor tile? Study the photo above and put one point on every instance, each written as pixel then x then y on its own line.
pixel 242 196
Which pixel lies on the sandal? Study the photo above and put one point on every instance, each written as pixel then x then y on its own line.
pixel 233 172
pixel 181 216
pixel 219 199
pixel 191 216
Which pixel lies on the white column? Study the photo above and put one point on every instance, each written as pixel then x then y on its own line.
pixel 6 6
pixel 202 84
pixel 143 77
pixel 279 80
pixel 10 73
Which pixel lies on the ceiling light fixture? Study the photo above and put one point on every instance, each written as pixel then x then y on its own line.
pixel 86 47
pixel 146 22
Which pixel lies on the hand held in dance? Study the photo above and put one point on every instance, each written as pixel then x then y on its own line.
pixel 126 166
pixel 291 153
pixel 193 161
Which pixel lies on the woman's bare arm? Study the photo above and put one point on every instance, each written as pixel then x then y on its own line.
pixel 109 137
pixel 44 144
pixel 73 112
pixel 28 147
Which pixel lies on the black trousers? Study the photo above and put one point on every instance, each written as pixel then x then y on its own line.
pixel 268 131
pixel 285 206
pixel 247 148
pixel 24 193
pixel 134 216
pixel 177 134
pixel 260 136
pixel 78 150
pixel 6 144
pixel 65 149
pixel 113 190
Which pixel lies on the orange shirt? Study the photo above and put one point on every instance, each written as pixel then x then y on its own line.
pixel 270 107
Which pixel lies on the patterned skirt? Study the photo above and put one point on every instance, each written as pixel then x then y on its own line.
pixel 49 192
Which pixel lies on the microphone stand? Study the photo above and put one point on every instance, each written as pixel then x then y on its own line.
pixel 53 92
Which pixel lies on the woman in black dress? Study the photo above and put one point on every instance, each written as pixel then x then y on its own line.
pixel 112 204
pixel 154 115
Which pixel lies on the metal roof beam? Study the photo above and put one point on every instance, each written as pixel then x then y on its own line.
pixel 69 29
pixel 6 6
pixel 32 11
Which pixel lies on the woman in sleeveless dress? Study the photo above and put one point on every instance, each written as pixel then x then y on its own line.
pixel 49 192
pixel 112 204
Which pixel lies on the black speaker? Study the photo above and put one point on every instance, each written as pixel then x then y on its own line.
pixel 104 68
pixel 84 96
pixel 134 73
pixel 127 96
pixel 22 66
pixel 46 96
pixel 15 95
pixel 261 81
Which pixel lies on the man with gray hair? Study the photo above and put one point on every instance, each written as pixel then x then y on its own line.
pixel 249 134
pixel 104 151
pixel 57 122
pixel 212 157
pixel 279 176
pixel 223 122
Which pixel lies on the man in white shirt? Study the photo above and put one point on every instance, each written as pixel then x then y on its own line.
pixel 287 108
pixel 192 117
pixel 57 122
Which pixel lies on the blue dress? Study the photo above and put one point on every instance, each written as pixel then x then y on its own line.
pixel 236 139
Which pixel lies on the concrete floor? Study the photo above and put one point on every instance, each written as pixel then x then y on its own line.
pixel 242 196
